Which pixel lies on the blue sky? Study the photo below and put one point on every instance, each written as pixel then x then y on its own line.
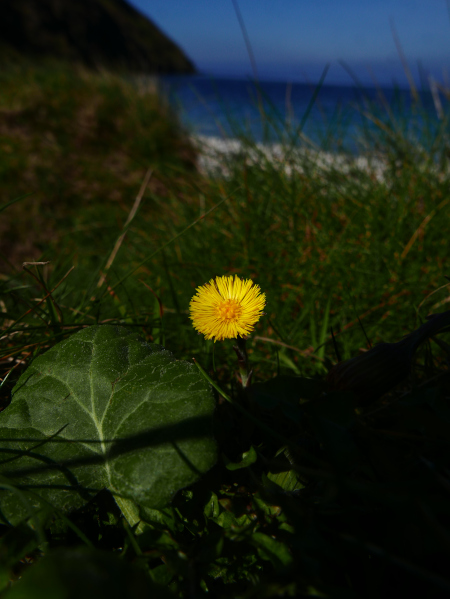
pixel 292 40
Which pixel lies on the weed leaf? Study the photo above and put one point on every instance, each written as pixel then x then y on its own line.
pixel 130 418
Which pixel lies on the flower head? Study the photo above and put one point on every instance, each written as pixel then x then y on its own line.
pixel 226 307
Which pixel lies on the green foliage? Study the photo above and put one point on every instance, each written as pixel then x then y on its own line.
pixel 103 409
pixel 332 479
pixel 78 145
pixel 84 572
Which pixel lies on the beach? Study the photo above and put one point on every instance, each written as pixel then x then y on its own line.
pixel 216 154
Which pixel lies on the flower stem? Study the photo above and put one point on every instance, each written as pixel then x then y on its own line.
pixel 241 352
pixel 267 429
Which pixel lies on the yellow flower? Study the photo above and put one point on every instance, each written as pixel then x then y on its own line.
pixel 225 307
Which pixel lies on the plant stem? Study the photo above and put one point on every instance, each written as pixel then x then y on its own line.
pixel 130 512
pixel 241 352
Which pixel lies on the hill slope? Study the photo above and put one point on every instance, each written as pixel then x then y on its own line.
pixel 77 145
pixel 95 33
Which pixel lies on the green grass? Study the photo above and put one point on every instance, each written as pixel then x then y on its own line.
pixel 331 250
pixel 323 245
pixel 80 145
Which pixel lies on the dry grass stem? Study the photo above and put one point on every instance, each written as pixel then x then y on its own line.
pixel 131 215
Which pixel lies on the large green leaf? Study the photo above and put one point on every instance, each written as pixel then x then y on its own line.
pixel 104 409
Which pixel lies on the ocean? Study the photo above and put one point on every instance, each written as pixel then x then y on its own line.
pixel 332 118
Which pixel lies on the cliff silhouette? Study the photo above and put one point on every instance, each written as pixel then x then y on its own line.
pixel 97 34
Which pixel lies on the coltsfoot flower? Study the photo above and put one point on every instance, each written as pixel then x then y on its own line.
pixel 226 307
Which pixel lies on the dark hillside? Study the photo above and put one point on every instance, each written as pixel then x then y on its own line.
pixel 95 33
pixel 80 143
